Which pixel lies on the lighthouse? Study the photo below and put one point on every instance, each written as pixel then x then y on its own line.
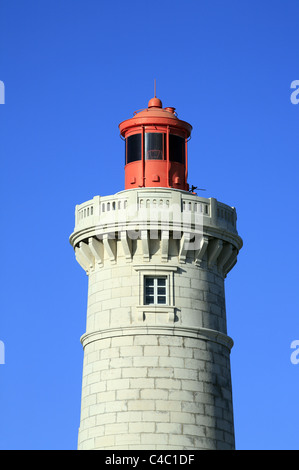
pixel 156 371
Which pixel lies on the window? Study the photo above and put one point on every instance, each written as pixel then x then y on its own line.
pixel 176 148
pixel 156 293
pixel 133 148
pixel 155 290
pixel 154 146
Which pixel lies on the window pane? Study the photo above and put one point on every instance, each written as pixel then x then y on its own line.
pixel 133 145
pixel 153 146
pixel 155 290
pixel 149 299
pixel 149 290
pixel 176 148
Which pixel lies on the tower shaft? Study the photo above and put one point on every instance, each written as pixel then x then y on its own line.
pixel 156 371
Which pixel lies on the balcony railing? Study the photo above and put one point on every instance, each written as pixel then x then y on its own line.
pixel 161 205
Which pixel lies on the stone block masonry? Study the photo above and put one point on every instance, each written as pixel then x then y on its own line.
pixel 161 399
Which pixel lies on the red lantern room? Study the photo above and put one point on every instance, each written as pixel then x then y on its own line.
pixel 156 148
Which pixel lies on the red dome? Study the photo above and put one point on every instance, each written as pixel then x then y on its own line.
pixel 155 114
pixel 154 103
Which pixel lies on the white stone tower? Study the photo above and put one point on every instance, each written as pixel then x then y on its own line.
pixel 156 371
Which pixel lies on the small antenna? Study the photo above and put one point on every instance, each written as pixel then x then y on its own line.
pixel 155 88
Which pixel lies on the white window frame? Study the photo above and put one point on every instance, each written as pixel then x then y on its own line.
pixel 153 312
pixel 156 294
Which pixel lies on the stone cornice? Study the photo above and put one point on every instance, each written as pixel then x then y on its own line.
pixel 198 333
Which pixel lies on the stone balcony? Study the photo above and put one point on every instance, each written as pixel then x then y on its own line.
pixel 204 228
pixel 157 209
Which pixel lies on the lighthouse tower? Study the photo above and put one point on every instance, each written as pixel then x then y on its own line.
pixel 156 371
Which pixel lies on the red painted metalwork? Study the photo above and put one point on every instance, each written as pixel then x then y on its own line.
pixel 159 167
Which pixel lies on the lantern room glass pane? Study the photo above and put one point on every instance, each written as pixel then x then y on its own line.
pixel 154 146
pixel 176 148
pixel 133 148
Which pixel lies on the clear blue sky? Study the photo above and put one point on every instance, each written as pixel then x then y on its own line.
pixel 74 69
